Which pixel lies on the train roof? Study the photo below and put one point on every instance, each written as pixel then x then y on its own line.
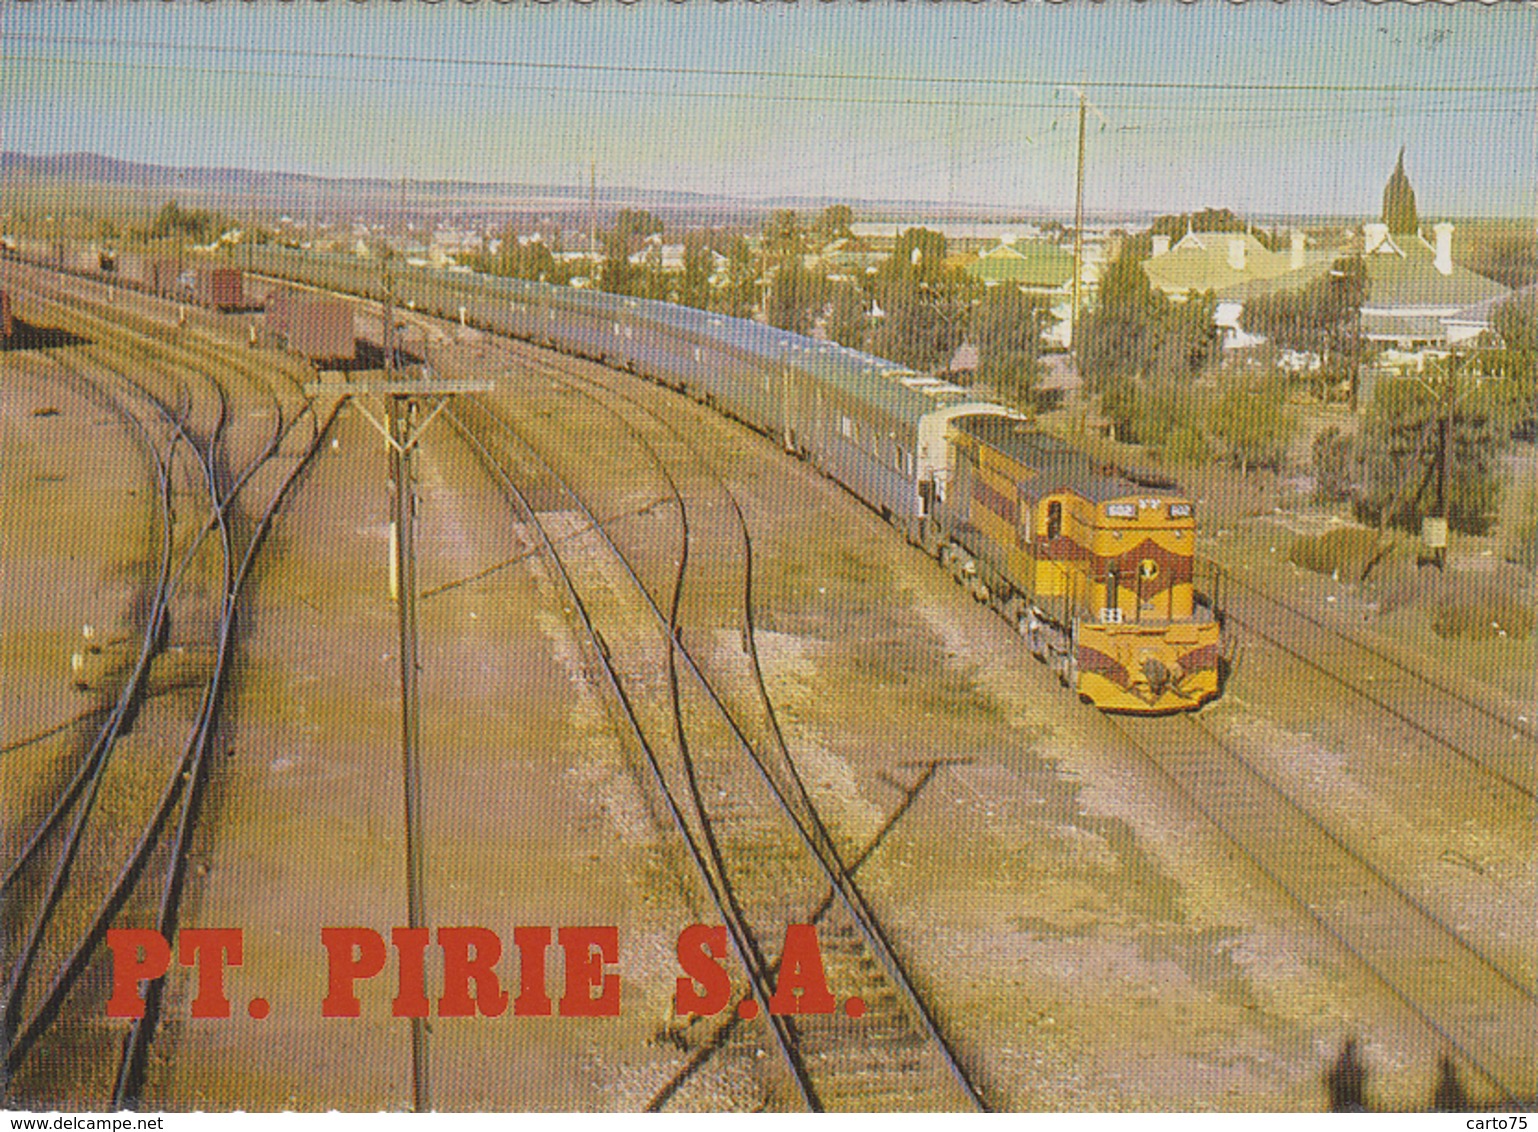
pixel 1058 464
pixel 898 391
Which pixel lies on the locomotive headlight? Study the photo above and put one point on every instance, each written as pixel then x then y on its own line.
pixel 1180 510
pixel 1121 510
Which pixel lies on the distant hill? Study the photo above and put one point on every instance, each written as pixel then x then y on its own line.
pixel 231 188
pixel 146 186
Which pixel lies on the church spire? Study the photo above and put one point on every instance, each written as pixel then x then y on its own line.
pixel 1399 202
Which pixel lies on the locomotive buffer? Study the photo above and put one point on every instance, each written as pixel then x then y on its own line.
pixel 403 427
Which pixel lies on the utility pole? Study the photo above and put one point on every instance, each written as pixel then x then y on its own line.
pixel 592 211
pixel 400 414
pixel 1436 536
pixel 1078 237
pixel 1078 217
pixel 405 395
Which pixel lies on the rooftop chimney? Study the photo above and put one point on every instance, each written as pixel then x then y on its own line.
pixel 1236 253
pixel 1374 235
pixel 1444 257
pixel 1298 243
pixel 1161 244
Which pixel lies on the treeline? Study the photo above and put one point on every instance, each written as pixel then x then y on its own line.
pixel 1163 381
pixel 914 308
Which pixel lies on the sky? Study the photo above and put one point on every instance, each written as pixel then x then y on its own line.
pixel 1272 109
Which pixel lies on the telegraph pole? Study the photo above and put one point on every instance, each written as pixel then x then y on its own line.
pixel 1078 236
pixel 1085 105
pixel 400 412
pixel 592 210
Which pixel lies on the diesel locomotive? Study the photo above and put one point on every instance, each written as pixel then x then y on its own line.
pixel 1094 567
pixel 1092 564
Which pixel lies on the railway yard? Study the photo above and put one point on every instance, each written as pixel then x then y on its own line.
pixel 657 673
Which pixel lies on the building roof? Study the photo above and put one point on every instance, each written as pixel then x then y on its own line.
pixel 1398 327
pixel 1402 273
pixel 1029 263
pixel 1480 313
pixel 1201 262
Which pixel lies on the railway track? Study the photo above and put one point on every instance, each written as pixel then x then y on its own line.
pixel 1240 806
pixel 72 812
pixel 1472 1007
pixel 1428 966
pixel 97 876
pixel 735 837
pixel 1452 719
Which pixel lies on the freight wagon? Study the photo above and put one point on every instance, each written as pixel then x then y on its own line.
pixel 221 287
pixel 318 327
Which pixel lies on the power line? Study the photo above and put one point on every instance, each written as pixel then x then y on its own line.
pixel 759 97
pixel 778 73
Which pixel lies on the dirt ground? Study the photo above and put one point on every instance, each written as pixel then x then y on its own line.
pixel 1086 938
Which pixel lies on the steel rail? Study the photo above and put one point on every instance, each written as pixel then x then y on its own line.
pixel 834 872
pixel 1509 1094
pixel 737 930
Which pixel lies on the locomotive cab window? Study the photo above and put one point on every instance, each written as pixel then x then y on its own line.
pixel 1055 519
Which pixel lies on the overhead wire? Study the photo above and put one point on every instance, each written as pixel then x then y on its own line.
pixel 890 77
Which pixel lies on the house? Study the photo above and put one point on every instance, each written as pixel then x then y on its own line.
pixel 669 257
pixel 848 261
pixel 1469 323
pixel 1034 266
pixel 1221 263
pixel 1416 295
pixel 1038 267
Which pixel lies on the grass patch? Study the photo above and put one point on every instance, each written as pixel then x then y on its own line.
pixel 1482 617
pixel 1345 551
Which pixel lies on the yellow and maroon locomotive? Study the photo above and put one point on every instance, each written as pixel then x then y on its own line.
pixel 1093 565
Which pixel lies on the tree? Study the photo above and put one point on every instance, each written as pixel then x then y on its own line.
pixel 924 303
pixel 1399 202
pixel 914 331
pixel 1509 257
pixel 1118 402
pixel 634 225
pixel 740 294
pixel 1322 318
pixel 618 275
pixel 197 224
pixel 1181 339
pixel 1399 445
pixel 920 254
pixel 849 320
pixel 1248 419
pixel 699 265
pixel 517 260
pixel 1176 225
pixel 1334 466
pixel 1007 327
pixel 1115 337
pixel 782 235
pixel 795 296
pixel 834 224
pixel 1516 321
